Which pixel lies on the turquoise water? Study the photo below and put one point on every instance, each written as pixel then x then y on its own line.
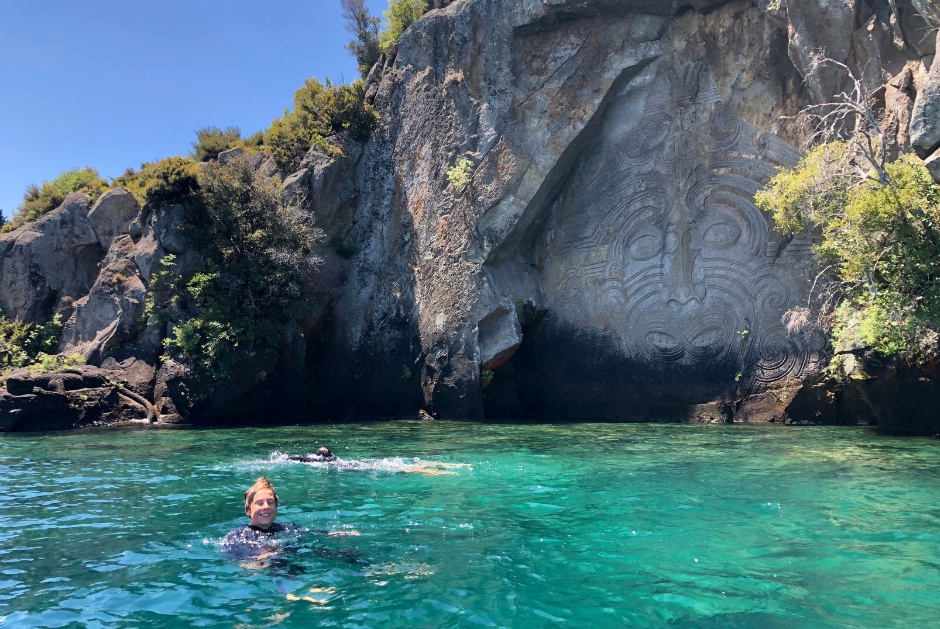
pixel 583 525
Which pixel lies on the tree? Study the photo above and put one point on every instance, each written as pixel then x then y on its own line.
pixel 850 117
pixel 879 222
pixel 365 28
pixel 259 258
pixel 400 15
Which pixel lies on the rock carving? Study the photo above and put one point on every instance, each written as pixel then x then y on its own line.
pixel 658 251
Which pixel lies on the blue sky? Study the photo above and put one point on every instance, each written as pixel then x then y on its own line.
pixel 112 84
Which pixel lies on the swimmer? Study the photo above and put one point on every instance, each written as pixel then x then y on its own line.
pixel 432 468
pixel 322 455
pixel 257 538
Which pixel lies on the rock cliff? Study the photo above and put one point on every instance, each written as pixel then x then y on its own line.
pixel 602 255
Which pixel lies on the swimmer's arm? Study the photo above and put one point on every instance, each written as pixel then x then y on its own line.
pixel 433 468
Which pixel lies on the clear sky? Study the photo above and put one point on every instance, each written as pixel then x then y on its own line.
pixel 111 84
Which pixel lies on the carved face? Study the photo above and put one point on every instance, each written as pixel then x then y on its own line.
pixel 660 248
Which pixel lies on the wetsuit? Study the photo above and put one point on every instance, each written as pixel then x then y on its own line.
pixel 249 540
pixel 312 458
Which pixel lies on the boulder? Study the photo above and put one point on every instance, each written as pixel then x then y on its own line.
pixel 500 335
pixel 109 314
pixel 226 156
pixel 112 215
pixel 257 160
pixel 769 405
pixel 70 398
pixel 167 224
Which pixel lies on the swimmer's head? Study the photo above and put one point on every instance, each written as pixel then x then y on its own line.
pixel 261 503
pixel 323 453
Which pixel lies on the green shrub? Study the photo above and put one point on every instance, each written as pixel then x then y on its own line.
pixel 259 259
pixel 400 15
pixel 254 142
pixel 166 182
pixel 210 141
pixel 459 175
pixel 39 200
pixel 23 344
pixel 320 110
pixel 47 363
pixel 882 239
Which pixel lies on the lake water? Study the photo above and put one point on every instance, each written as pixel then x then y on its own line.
pixel 581 525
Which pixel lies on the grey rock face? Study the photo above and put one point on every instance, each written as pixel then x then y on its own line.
pixel 47 264
pixel 109 313
pixel 929 11
pixel 821 26
pixel 615 160
pixel 918 30
pixel 162 234
pixel 615 151
pixel 925 121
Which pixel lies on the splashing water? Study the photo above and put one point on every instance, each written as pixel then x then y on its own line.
pixel 601 525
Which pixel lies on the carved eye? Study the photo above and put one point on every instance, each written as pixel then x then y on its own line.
pixel 645 245
pixel 721 235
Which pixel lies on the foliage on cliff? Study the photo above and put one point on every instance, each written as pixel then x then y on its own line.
pixel 39 200
pixel 881 235
pixel 165 182
pixel 400 15
pixel 320 110
pixel 210 141
pixel 259 257
pixel 365 29
pixel 32 345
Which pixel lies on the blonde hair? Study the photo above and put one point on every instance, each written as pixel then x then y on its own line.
pixel 260 484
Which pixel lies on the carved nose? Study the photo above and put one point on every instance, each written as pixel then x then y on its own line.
pixel 686 292
pixel 681 287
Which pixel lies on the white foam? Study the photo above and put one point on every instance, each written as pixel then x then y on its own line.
pixel 394 465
